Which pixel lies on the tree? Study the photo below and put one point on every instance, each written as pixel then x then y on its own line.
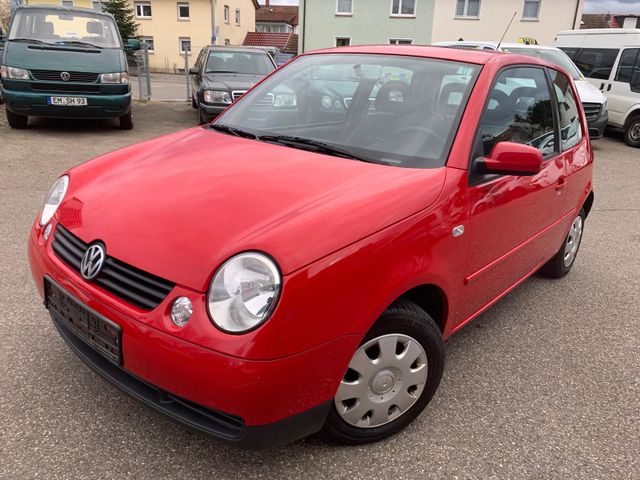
pixel 124 15
pixel 5 13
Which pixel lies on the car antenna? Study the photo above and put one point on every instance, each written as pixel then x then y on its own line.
pixel 506 30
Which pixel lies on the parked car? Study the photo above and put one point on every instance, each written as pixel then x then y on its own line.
pixel 221 75
pixel 593 101
pixel 62 62
pixel 283 271
pixel 610 59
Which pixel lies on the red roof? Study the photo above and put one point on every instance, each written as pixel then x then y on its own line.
pixel 287 42
pixel 278 14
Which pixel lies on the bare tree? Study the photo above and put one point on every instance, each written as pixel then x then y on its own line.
pixel 5 13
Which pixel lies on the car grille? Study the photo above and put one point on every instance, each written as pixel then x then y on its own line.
pixel 592 110
pixel 54 76
pixel 65 87
pixel 266 101
pixel 131 284
pixel 236 94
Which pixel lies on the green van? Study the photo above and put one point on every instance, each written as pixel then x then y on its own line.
pixel 64 62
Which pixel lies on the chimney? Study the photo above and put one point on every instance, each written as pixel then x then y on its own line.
pixel 266 3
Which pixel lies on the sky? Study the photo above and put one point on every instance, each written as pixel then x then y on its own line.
pixel 590 6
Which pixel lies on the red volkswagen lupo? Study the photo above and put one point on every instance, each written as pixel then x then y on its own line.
pixel 295 266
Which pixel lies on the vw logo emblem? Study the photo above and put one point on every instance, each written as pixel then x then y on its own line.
pixel 65 76
pixel 92 261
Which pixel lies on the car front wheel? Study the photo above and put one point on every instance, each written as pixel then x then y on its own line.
pixel 391 378
pixel 126 121
pixel 17 121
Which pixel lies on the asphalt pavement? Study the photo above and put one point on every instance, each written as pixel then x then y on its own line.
pixel 544 385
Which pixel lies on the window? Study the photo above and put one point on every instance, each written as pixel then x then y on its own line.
pixel 531 9
pixel 149 42
pixel 143 9
pixel 629 68
pixel 570 128
pixel 183 11
pixel 400 41
pixel 344 7
pixel 185 45
pixel 226 14
pixel 343 41
pixel 519 110
pixel 237 16
pixel 596 62
pixel 468 8
pixel 403 8
pixel 227 41
pixel 67 3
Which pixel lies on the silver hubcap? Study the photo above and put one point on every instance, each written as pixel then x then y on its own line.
pixel 634 132
pixel 573 241
pixel 385 378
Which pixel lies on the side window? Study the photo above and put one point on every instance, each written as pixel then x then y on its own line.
pixel 596 62
pixel 629 68
pixel 519 110
pixel 570 127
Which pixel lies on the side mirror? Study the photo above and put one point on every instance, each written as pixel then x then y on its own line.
pixel 131 45
pixel 193 71
pixel 508 158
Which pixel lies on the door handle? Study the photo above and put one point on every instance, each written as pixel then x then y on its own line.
pixel 609 87
pixel 560 184
pixel 602 86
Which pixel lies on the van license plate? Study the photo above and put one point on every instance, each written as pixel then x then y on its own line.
pixel 68 101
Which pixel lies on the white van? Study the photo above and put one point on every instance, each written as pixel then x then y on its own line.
pixel 593 101
pixel 610 59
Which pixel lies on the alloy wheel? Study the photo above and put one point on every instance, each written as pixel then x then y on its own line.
pixel 573 241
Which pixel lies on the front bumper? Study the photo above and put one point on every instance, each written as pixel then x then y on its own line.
pixel 597 126
pixel 210 112
pixel 249 403
pixel 36 104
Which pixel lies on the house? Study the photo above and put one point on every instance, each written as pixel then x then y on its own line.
pixel 172 27
pixel 285 42
pixel 607 20
pixel 277 18
pixel 326 23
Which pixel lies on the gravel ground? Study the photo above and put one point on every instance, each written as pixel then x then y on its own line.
pixel 544 385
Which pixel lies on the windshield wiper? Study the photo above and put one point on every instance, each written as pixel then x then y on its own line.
pixel 238 132
pixel 77 42
pixel 314 145
pixel 30 40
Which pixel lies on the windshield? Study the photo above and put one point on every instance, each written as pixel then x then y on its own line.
pixel 61 27
pixel 557 57
pixel 239 62
pixel 388 109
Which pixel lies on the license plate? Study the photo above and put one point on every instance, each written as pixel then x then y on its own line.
pixel 68 101
pixel 98 332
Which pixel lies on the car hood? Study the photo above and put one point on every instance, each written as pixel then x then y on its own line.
pixel 588 93
pixel 182 204
pixel 231 81
pixel 73 59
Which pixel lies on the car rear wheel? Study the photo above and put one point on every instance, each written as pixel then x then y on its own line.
pixel 391 378
pixel 17 121
pixel 564 259
pixel 126 121
pixel 632 132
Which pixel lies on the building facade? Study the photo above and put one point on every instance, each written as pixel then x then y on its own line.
pixel 330 23
pixel 327 23
pixel 277 18
pixel 172 27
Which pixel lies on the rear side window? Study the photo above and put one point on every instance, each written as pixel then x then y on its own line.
pixel 519 110
pixel 570 127
pixel 629 68
pixel 595 62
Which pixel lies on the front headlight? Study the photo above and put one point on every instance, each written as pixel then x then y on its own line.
pixel 217 96
pixel 605 107
pixel 14 73
pixel 118 77
pixel 244 292
pixel 54 199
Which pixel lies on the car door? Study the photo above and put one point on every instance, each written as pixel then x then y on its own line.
pixel 624 89
pixel 511 218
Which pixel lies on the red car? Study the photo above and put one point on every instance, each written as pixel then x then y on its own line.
pixel 296 266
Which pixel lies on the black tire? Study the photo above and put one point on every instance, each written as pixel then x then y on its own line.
pixel 194 104
pixel 556 267
pixel 632 132
pixel 404 318
pixel 17 121
pixel 126 121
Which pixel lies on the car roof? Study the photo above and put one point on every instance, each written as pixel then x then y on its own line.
pixel 495 44
pixel 232 48
pixel 61 8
